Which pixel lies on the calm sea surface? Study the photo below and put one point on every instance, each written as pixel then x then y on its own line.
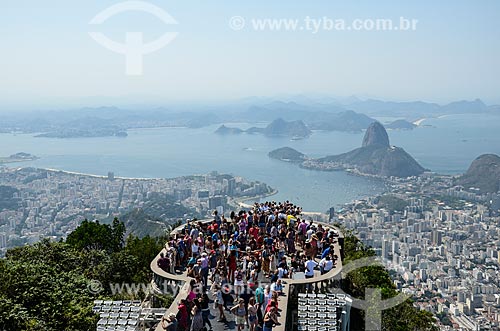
pixel 445 145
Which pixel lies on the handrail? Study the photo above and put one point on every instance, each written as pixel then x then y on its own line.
pixel 328 275
pixel 160 272
pixel 183 293
pixel 181 277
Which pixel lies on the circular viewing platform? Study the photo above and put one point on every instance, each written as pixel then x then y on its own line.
pixel 262 258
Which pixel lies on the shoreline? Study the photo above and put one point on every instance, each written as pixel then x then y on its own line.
pixel 239 201
pixel 75 173
pixel 420 121
pixel 7 161
pixel 350 171
pixel 242 201
pixel 96 176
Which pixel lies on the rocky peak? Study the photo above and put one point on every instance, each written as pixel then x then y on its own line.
pixel 376 135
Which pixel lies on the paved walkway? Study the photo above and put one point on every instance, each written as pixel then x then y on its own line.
pixel 230 324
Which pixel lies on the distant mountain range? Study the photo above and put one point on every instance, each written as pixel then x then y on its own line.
pixel 410 111
pixel 346 114
pixel 416 109
pixel 483 173
pixel 375 157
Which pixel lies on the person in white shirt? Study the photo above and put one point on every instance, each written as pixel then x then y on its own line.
pixel 309 233
pixel 282 273
pixel 194 249
pixel 310 265
pixel 325 265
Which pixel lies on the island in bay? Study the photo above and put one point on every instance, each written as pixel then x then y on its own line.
pixel 278 127
pixel 18 157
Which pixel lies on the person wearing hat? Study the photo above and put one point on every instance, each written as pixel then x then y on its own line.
pixel 241 314
pixel 169 323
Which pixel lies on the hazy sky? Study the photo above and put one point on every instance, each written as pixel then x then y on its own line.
pixel 49 59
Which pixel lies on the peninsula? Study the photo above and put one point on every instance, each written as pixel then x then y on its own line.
pixel 376 157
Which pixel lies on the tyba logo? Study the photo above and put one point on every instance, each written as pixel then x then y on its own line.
pixel 134 47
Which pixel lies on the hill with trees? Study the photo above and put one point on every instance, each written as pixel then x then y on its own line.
pixel 45 286
pixel 483 173
pixel 287 154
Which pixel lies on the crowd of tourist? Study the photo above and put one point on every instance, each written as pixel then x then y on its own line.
pixel 244 259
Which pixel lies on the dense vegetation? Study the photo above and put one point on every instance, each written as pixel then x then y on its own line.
pixel 287 154
pixel 403 317
pixel 160 212
pixel 49 285
pixel 483 173
pixel 7 199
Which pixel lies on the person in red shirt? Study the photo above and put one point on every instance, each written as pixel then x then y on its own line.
pixel 260 240
pixel 273 303
pixel 182 315
pixel 215 226
pixel 254 231
pixel 232 264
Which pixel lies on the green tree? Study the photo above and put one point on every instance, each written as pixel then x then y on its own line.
pixel 144 250
pixel 96 236
pixel 45 288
